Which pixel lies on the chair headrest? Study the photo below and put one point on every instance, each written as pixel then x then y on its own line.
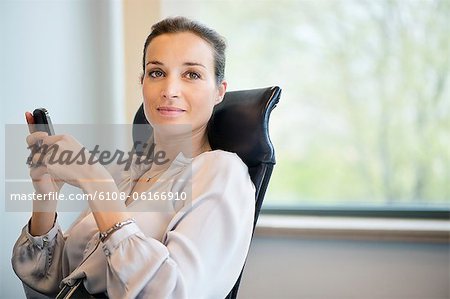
pixel 239 124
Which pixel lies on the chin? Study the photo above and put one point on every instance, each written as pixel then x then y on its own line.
pixel 166 124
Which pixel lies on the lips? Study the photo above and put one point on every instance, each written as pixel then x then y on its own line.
pixel 165 108
pixel 170 111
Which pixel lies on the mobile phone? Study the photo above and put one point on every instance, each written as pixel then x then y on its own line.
pixel 42 121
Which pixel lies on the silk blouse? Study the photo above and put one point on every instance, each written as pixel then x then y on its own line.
pixel 175 249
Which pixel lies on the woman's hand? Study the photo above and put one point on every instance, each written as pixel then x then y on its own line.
pixel 67 160
pixel 43 182
pixel 61 159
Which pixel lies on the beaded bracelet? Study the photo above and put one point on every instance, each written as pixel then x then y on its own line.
pixel 104 235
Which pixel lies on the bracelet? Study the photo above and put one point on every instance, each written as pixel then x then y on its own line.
pixel 104 235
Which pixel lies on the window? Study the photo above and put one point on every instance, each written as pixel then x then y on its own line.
pixel 364 117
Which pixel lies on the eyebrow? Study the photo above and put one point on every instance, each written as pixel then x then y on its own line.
pixel 156 62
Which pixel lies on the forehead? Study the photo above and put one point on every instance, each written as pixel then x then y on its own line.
pixel 178 48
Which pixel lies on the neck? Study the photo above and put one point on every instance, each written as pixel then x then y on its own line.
pixel 190 143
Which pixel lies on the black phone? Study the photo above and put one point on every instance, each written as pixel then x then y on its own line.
pixel 42 121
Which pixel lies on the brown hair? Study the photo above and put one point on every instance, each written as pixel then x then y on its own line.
pixel 183 24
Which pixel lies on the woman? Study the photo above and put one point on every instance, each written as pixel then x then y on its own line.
pixel 191 250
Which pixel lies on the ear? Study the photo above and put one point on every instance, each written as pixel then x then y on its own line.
pixel 221 90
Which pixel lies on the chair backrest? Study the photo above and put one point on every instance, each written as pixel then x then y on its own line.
pixel 240 124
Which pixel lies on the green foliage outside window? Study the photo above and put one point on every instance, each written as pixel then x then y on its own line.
pixel 364 116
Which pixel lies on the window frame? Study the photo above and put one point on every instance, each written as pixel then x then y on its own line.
pixel 405 212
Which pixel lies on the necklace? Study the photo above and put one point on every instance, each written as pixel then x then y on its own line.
pixel 204 148
pixel 149 178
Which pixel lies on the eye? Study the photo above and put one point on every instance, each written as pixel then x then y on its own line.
pixel 155 74
pixel 193 75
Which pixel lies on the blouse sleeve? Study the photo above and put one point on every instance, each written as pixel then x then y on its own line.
pixel 203 254
pixel 37 260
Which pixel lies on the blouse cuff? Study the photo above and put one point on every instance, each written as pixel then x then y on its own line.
pixel 43 240
pixel 118 236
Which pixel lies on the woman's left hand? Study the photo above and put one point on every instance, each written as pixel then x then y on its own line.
pixel 68 160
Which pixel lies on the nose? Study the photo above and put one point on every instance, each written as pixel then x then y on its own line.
pixel 171 88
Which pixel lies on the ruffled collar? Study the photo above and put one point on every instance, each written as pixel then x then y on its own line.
pixel 180 161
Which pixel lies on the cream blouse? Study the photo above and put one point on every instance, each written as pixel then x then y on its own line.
pixel 181 249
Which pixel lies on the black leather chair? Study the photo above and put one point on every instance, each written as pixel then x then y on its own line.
pixel 240 124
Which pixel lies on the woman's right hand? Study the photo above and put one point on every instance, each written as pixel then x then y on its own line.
pixel 43 182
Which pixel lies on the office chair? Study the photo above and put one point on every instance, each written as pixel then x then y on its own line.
pixel 240 124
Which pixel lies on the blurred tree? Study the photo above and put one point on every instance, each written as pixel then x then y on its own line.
pixel 365 111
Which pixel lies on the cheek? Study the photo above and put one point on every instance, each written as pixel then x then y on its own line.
pixel 203 106
pixel 146 112
pixel 146 92
pixel 148 101
pixel 150 96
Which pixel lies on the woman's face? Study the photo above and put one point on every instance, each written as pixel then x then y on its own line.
pixel 179 84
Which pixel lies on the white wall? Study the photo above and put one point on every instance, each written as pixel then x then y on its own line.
pixel 288 268
pixel 65 56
